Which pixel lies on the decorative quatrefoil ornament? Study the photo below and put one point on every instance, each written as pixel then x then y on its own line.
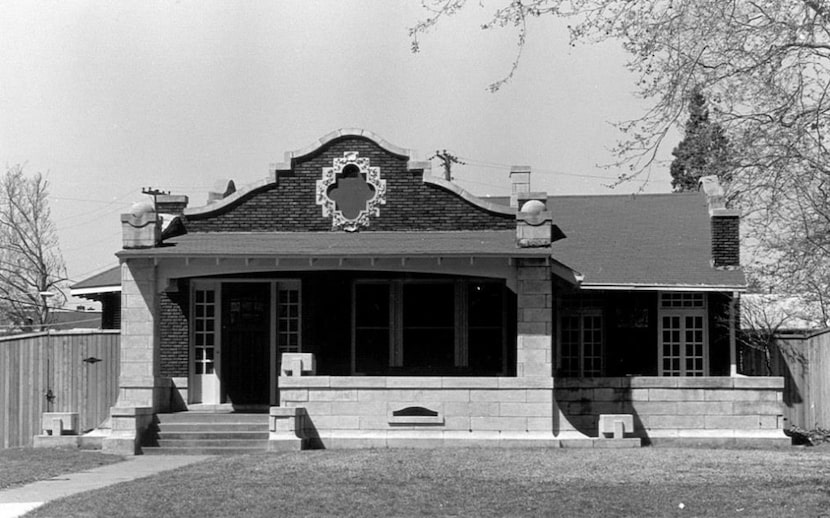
pixel 351 191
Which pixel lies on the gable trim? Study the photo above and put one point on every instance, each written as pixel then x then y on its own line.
pixel 340 133
pixel 469 197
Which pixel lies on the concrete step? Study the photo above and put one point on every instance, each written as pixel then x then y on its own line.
pixel 155 450
pixel 208 417
pixel 213 443
pixel 208 434
pixel 213 427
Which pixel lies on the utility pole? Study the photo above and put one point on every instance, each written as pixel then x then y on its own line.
pixel 447 160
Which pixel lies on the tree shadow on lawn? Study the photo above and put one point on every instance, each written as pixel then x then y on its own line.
pixel 473 482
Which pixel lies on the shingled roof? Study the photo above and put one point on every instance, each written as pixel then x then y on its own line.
pixel 644 240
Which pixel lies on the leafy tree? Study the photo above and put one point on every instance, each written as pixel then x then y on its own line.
pixel 31 266
pixel 765 67
pixel 703 151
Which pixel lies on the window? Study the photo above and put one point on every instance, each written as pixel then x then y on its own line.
pixel 288 318
pixel 683 334
pixel 431 327
pixel 581 341
pixel 204 331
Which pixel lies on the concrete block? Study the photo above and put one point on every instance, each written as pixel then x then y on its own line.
pixel 373 422
pixel 537 424
pixel 657 394
pixel 291 382
pixel 566 395
pixel 525 409
pixel 536 314
pixel 675 421
pixel 472 408
pixel 529 273
pixel 616 424
pixel 638 394
pixel 468 383
pixel 705 382
pixel 740 395
pixel 529 287
pixel 759 382
pixel 533 301
pixel 610 394
pixel 527 382
pixel 335 422
pixel 60 423
pixel 294 395
pixel 407 382
pixel 629 442
pixel 757 408
pixel 359 408
pixel 654 381
pixel 498 423
pixel 533 328
pixel 500 395
pixel 457 422
pixel 746 422
pixel 358 382
pixel 539 396
pixel 320 408
pixel 704 407
pixel 332 394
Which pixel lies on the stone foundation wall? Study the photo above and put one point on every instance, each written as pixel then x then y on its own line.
pixel 667 407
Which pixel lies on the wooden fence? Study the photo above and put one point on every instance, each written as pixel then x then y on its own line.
pixel 58 371
pixel 804 362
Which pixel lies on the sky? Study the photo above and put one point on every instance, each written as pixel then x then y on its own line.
pixel 106 98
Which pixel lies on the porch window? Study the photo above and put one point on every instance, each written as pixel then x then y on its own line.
pixel 581 341
pixel 288 318
pixel 204 334
pixel 430 327
pixel 683 334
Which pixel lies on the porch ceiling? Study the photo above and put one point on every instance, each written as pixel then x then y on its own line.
pixel 501 243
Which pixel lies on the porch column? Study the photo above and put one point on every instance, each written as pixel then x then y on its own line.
pixel 139 384
pixel 534 344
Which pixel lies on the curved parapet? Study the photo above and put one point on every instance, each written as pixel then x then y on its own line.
pixel 469 197
pixel 340 133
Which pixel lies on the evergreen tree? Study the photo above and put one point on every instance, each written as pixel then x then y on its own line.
pixel 703 151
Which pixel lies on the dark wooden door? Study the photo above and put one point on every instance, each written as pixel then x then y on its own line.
pixel 246 340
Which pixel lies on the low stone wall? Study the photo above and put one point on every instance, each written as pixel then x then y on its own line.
pixel 668 410
pixel 345 411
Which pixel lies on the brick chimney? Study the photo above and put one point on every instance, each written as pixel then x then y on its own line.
pixel 520 183
pixel 171 204
pixel 725 226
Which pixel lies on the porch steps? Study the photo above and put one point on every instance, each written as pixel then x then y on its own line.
pixel 206 433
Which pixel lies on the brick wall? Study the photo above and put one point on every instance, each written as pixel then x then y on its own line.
pixel 410 204
pixel 173 333
pixel 725 241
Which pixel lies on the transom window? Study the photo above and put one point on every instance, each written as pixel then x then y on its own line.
pixel 682 300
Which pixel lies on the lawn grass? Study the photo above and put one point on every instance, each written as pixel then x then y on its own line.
pixel 19 466
pixel 477 482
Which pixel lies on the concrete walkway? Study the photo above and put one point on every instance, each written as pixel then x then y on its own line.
pixel 20 500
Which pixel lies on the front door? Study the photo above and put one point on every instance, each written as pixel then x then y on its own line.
pixel 246 339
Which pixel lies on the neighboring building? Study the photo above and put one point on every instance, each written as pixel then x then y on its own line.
pixel 392 307
pixel 104 288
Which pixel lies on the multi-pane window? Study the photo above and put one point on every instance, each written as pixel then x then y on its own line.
pixel 429 327
pixel 682 300
pixel 288 319
pixel 682 334
pixel 580 339
pixel 204 331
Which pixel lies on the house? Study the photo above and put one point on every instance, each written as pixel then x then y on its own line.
pixel 105 288
pixel 364 302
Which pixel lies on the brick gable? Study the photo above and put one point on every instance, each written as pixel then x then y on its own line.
pixel 289 204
